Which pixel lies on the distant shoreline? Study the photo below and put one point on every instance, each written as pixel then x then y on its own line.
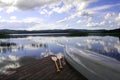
pixel 77 34
pixel 67 32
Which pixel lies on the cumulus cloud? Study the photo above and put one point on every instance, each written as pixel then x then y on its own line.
pixel 12 5
pixel 111 20
pixel 5 3
pixel 81 14
pixel 53 4
pixel 79 5
pixel 26 4
pixel 109 15
pixel 93 24
pixel 21 4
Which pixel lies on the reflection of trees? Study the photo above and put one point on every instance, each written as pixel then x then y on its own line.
pixel 47 52
pixel 12 47
pixel 6 46
pixel 41 45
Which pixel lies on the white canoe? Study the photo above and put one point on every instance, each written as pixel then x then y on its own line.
pixel 93 65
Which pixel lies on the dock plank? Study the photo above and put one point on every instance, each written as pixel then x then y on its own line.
pixel 43 69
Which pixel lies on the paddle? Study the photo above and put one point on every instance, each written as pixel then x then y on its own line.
pixel 55 60
pixel 59 56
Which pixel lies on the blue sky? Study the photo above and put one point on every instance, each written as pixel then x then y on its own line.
pixel 59 14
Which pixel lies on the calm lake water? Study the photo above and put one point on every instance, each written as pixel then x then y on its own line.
pixel 15 52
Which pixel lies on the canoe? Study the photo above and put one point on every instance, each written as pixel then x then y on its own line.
pixel 93 66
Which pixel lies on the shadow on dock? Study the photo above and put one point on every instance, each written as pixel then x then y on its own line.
pixel 43 69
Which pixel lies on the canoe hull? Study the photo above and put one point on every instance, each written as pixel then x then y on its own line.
pixel 93 65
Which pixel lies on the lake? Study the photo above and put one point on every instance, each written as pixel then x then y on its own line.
pixel 15 52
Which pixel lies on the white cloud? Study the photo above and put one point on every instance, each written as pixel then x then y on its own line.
pixel 103 7
pixel 65 8
pixel 109 15
pixel 82 21
pixel 92 24
pixel 5 3
pixel 13 17
pixel 79 21
pixel 68 5
pixel 44 26
pixel 1 9
pixel 14 23
pixel 60 21
pixel 82 14
pixel 21 4
pixel 117 19
pixel 110 21
pixel 30 23
pixel 44 11
pixel 11 9
pixel 31 20
pixel 12 5
pixel 90 19
pixel 82 4
pixel 32 4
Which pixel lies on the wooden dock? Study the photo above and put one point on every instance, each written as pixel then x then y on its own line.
pixel 43 69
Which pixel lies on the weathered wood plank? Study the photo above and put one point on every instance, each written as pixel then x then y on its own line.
pixel 43 69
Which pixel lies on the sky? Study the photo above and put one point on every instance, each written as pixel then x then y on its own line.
pixel 59 14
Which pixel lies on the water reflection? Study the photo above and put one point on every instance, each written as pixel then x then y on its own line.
pixel 14 62
pixel 108 46
pixel 15 52
pixel 6 47
pixel 7 44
